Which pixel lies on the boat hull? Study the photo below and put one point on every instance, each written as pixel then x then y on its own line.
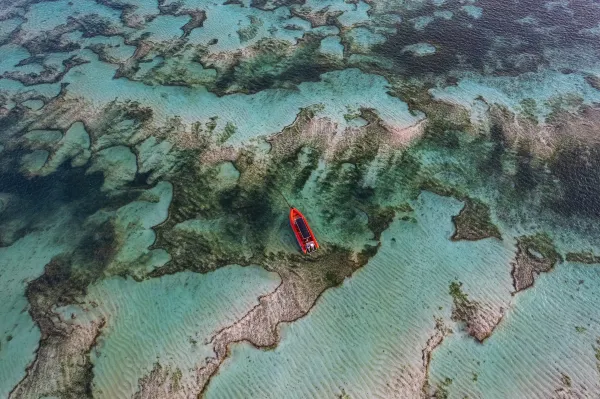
pixel 304 235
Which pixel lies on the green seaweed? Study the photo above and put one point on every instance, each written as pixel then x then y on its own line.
pixel 583 257
pixel 176 378
pixel 441 391
pixel 455 291
pixel 530 110
pixel 276 64
pixel 230 130
pixel 249 32
pixel 444 132
pixel 542 244
pixel 241 218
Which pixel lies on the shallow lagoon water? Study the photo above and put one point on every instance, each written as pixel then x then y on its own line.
pixel 166 320
pixel 544 337
pixel 386 107
pixel 22 262
pixel 246 112
pixel 365 338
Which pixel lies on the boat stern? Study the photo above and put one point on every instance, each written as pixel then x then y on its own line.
pixel 310 247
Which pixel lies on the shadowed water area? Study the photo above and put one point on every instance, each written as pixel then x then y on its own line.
pixel 446 155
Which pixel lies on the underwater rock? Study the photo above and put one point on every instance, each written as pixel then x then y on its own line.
pixel 474 222
pixel 49 75
pixel 197 16
pixel 420 49
pixel 480 320
pixel 535 254
pixel 62 365
pixel 322 17
pixel 593 81
pixel 131 66
pixel 434 341
pixel 92 25
pixel 588 258
pixel 103 53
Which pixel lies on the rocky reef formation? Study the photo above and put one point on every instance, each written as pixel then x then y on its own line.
pixel 255 215
pixel 535 254
pixel 434 341
pixel 474 222
pixel 62 365
pixel 303 281
pixel 480 320
pixel 483 134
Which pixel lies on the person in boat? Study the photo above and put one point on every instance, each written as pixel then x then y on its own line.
pixel 306 236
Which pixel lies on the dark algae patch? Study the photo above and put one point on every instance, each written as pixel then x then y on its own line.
pixel 441 391
pixel 474 222
pixel 588 258
pixel 276 65
pixel 466 43
pixel 243 215
pixel 577 165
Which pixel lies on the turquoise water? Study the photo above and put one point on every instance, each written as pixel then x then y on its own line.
pixel 166 320
pixel 246 111
pixel 22 262
pixel 545 336
pixel 148 151
pixel 365 338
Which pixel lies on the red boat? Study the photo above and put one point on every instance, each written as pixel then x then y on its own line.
pixel 306 239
